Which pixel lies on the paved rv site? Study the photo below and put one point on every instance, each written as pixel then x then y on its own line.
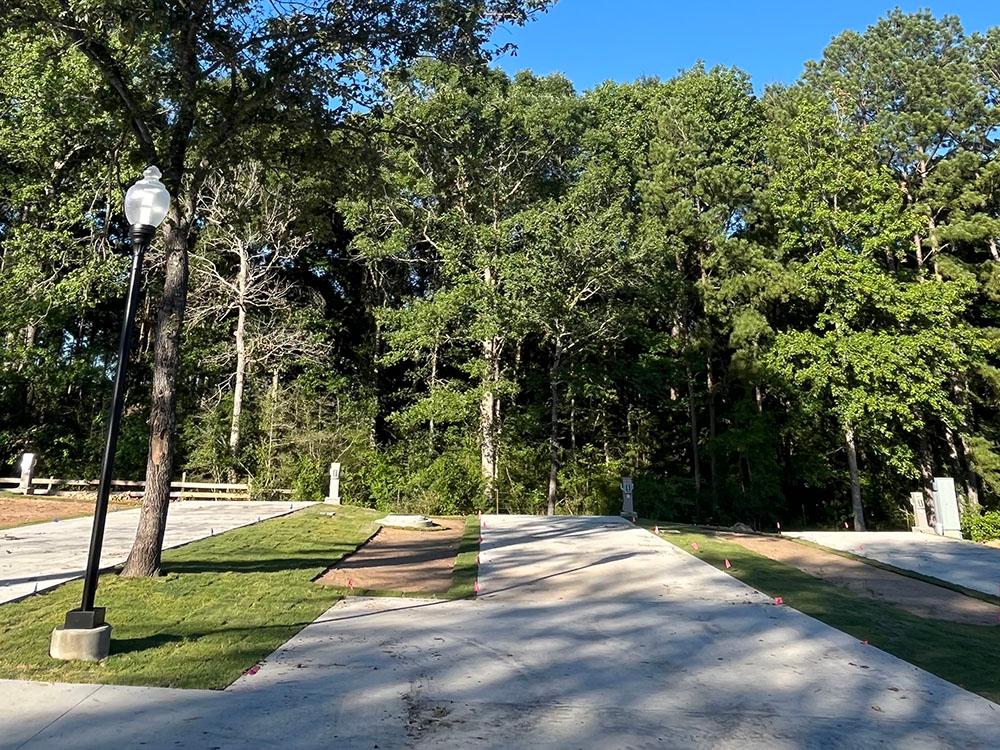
pixel 587 632
pixel 963 563
pixel 40 556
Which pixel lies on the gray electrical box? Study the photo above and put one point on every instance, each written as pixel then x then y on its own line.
pixel 946 508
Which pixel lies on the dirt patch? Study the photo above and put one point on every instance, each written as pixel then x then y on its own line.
pixel 402 560
pixel 918 597
pixel 19 510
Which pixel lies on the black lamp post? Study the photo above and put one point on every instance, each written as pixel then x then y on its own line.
pixel 146 206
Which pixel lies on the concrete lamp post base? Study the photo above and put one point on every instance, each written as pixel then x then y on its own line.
pixel 81 644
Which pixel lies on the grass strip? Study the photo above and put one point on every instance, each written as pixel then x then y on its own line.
pixel 223 604
pixel 466 570
pixel 966 655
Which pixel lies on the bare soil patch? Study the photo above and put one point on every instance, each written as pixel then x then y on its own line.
pixel 18 510
pixel 412 561
pixel 918 597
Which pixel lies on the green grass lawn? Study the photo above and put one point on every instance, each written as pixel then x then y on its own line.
pixel 223 604
pixel 463 577
pixel 967 655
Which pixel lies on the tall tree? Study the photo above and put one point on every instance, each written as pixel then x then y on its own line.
pixel 195 78
pixel 707 159
pixel 248 245
pixel 460 161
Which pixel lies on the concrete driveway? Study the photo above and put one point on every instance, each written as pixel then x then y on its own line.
pixel 974 566
pixel 589 633
pixel 40 556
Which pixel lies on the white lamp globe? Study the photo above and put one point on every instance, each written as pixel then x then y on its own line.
pixel 147 201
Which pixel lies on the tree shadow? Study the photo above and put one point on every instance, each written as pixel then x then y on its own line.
pixel 132 645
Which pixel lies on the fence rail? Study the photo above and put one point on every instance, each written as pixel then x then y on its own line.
pixel 178 490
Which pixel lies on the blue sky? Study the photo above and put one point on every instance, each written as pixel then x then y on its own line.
pixel 591 41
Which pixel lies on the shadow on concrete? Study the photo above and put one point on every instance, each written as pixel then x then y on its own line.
pixel 596 638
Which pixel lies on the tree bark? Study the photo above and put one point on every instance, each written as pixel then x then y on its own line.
pixel 488 418
pixel 956 460
pixel 710 382
pixel 994 250
pixel 431 386
pixel 932 238
pixel 852 465
pixel 890 261
pixel 144 559
pixel 241 354
pixel 971 477
pixel 271 424
pixel 693 418
pixel 554 372
pixel 927 479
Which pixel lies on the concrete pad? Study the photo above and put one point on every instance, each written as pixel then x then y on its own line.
pixel 80 644
pixel 39 557
pixel 590 633
pixel 974 566
pixel 407 521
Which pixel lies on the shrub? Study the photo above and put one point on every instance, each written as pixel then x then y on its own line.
pixel 981 527
pixel 309 483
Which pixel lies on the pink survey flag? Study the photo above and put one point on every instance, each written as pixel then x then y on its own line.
pixel 845 524
pixel 475 587
pixel 778 600
pixel 694 546
pixel 728 564
pixel 656 529
pixel 350 583
pixel 778 524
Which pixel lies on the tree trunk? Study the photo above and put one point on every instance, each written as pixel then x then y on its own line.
pixel 932 238
pixel 431 386
pixel 572 425
pixel 890 261
pixel 488 418
pixel 693 418
pixel 241 355
pixel 971 477
pixel 554 372
pixel 852 465
pixel 956 461
pixel 927 479
pixel 144 559
pixel 994 250
pixel 710 382
pixel 271 424
pixel 958 447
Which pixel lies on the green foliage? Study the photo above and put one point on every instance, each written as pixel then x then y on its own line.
pixel 479 291
pixel 981 527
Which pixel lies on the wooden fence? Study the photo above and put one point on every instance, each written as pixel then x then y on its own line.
pixel 182 490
